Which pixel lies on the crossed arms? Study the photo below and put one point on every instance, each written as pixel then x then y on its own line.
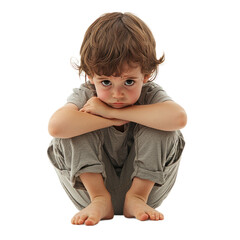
pixel 69 121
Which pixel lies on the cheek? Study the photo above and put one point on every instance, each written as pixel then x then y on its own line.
pixel 103 95
pixel 134 95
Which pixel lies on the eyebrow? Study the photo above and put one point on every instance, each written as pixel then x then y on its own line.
pixel 102 78
pixel 124 77
pixel 130 77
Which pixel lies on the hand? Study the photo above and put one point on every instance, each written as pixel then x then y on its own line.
pixel 95 106
pixel 119 122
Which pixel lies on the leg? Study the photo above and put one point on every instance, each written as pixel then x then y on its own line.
pixel 136 201
pixel 170 169
pixel 157 155
pixel 74 157
pixel 100 206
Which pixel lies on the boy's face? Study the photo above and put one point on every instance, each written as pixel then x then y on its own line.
pixel 122 91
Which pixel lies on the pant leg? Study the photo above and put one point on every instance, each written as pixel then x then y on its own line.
pixel 157 158
pixel 74 156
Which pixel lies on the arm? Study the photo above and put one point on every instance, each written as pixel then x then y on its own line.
pixel 68 122
pixel 167 116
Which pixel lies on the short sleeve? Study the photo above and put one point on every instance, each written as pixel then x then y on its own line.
pixel 153 93
pixel 80 96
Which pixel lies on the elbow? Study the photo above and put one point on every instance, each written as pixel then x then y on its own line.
pixel 182 119
pixel 52 131
pixel 54 128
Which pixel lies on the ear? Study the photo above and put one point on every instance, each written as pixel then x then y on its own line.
pixel 146 78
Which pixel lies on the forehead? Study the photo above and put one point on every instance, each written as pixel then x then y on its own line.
pixel 128 70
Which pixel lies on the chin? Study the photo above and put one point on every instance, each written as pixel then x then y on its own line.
pixel 118 106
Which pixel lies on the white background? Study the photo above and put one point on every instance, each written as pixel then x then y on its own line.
pixel 201 73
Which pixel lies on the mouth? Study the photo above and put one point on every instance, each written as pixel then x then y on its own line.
pixel 117 105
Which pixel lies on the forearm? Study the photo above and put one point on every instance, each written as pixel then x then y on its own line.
pixel 166 117
pixel 70 123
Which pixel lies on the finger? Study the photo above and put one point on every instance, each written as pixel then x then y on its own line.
pixel 87 110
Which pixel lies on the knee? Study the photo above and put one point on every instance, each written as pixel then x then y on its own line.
pixel 147 134
pixel 82 146
pixel 88 139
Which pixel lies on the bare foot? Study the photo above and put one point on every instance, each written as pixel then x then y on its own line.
pixel 135 206
pixel 99 208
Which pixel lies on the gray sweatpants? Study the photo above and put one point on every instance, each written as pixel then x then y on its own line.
pixel 139 151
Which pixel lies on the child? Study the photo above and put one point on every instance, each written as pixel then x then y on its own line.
pixel 117 145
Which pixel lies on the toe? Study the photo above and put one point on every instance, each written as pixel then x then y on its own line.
pixel 152 216
pixel 75 220
pixel 158 216
pixel 142 216
pixel 151 213
pixel 91 221
pixel 82 219
pixel 155 215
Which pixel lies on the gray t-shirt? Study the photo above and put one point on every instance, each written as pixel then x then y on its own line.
pixel 151 93
pixel 117 144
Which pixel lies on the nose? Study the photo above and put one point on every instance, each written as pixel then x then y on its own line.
pixel 117 93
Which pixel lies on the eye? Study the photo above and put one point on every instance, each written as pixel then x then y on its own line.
pixel 106 83
pixel 129 82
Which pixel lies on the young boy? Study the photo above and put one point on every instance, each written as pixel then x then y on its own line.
pixel 117 144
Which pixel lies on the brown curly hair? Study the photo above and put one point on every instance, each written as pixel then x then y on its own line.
pixel 114 39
